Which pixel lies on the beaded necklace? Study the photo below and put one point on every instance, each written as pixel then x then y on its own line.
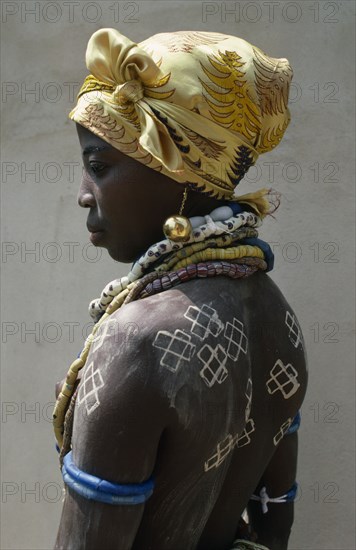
pixel 211 251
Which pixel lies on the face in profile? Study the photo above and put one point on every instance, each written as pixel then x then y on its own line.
pixel 127 201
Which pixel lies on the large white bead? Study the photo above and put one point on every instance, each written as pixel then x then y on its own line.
pixel 221 214
pixel 197 221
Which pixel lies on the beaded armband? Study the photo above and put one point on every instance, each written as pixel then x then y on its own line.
pixel 100 490
pixel 265 499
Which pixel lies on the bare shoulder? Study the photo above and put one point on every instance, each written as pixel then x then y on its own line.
pixel 148 339
pixel 176 323
pixel 120 406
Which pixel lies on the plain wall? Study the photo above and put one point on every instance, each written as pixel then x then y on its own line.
pixel 50 272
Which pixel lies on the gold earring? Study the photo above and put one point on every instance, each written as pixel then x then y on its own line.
pixel 178 228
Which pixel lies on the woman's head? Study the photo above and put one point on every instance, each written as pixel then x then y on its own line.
pixel 128 201
pixel 189 108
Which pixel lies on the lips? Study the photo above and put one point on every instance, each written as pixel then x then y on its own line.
pixel 96 237
pixel 96 234
pixel 94 228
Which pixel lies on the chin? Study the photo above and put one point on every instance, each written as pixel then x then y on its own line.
pixel 122 256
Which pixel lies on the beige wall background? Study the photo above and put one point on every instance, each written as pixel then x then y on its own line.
pixel 50 272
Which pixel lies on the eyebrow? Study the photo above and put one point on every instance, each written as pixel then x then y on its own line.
pixel 95 149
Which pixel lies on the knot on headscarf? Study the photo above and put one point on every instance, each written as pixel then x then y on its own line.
pixel 130 91
pixel 198 107
pixel 114 59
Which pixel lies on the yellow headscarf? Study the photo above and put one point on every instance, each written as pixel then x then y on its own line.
pixel 197 106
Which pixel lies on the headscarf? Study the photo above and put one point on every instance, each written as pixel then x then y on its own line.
pixel 198 107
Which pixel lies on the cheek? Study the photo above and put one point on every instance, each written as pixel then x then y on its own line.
pixel 109 196
pixel 120 210
pixel 124 198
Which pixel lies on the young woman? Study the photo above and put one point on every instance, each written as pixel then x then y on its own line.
pixel 174 431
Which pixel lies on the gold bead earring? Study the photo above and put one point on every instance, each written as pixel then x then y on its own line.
pixel 178 228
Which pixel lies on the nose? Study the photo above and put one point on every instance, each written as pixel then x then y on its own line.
pixel 86 197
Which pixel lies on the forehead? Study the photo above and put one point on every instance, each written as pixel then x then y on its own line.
pixel 91 143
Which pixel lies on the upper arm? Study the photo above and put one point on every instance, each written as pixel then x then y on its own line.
pixel 281 471
pixel 120 416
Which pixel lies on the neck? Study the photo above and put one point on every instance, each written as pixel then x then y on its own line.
pixel 198 204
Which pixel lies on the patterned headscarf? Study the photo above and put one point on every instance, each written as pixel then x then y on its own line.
pixel 197 106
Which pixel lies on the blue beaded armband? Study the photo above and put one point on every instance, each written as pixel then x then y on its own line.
pixel 95 488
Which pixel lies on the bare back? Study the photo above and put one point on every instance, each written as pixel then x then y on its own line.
pixel 216 374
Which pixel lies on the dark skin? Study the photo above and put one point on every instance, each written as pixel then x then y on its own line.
pixel 152 421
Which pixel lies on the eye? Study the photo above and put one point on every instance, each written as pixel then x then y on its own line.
pixel 96 167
